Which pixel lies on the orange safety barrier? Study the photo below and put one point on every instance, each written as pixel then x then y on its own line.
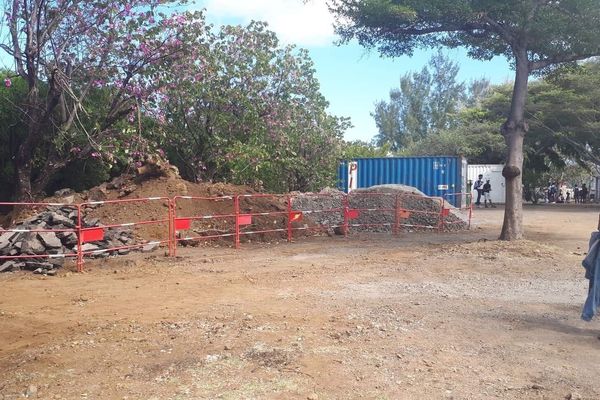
pixel 383 204
pixel 209 227
pixel 70 228
pixel 463 213
pixel 247 219
pixel 428 216
pixel 329 216
pixel 91 235
pixel 237 218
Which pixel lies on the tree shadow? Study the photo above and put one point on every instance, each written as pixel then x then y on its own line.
pixel 565 327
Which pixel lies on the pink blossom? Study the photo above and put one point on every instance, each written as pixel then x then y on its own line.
pixel 96 155
pixel 145 49
pixel 7 82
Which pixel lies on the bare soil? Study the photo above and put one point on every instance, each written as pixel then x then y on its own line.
pixel 417 316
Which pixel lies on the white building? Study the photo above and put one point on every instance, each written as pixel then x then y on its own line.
pixel 493 172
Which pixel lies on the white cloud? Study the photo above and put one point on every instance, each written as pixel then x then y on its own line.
pixel 294 21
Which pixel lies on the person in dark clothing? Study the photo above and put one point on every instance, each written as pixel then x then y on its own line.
pixel 479 187
pixel 584 193
pixel 487 196
pixel 577 194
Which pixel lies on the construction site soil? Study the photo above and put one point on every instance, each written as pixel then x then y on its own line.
pixel 417 316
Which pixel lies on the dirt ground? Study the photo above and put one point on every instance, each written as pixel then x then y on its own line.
pixel 418 316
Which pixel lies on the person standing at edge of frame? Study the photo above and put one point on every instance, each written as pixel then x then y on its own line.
pixel 479 187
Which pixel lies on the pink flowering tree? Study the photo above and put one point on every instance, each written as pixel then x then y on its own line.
pixel 91 68
pixel 251 113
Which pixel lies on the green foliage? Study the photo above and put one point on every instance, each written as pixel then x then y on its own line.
pixel 361 149
pixel 12 130
pixel 238 107
pixel 551 30
pixel 80 174
pixel 255 117
pixel 564 114
pixel 425 103
pixel 478 141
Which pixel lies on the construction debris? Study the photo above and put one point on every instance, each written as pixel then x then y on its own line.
pixel 42 243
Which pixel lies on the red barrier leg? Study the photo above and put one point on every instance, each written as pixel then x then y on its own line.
pixel 396 229
pixel 289 222
pixel 79 240
pixel 172 242
pixel 346 216
pixel 236 206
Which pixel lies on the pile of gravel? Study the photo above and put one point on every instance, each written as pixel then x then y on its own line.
pixel 377 209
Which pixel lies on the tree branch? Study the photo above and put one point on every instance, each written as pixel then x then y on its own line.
pixel 499 29
pixel 16 48
pixel 558 59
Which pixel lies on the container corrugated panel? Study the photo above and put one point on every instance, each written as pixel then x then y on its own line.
pixel 434 176
pixel 493 172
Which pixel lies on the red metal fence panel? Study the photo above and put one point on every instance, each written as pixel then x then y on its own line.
pixel 186 219
pixel 190 217
pixel 459 215
pixel 120 235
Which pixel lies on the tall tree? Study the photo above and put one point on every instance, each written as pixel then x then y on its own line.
pixel 535 34
pixel 425 103
pixel 74 47
pixel 255 116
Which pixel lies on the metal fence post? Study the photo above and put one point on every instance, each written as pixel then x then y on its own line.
pixel 289 222
pixel 396 216
pixel 236 206
pixel 79 240
pixel 346 206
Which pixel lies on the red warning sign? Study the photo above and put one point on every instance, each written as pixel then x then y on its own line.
pixel 353 214
pixel 92 235
pixel 296 216
pixel 245 219
pixel 183 224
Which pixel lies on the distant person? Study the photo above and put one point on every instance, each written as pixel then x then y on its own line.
pixel 584 193
pixel 576 194
pixel 552 193
pixel 568 196
pixel 561 197
pixel 487 188
pixel 479 187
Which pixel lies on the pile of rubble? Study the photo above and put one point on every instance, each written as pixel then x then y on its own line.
pixel 420 211
pixel 50 237
pixel 325 208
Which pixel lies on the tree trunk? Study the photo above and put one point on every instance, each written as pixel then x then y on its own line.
pixel 23 160
pixel 23 172
pixel 514 130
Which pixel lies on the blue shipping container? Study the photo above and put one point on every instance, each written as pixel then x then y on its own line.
pixel 434 176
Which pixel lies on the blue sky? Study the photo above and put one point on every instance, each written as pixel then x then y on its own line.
pixel 351 78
